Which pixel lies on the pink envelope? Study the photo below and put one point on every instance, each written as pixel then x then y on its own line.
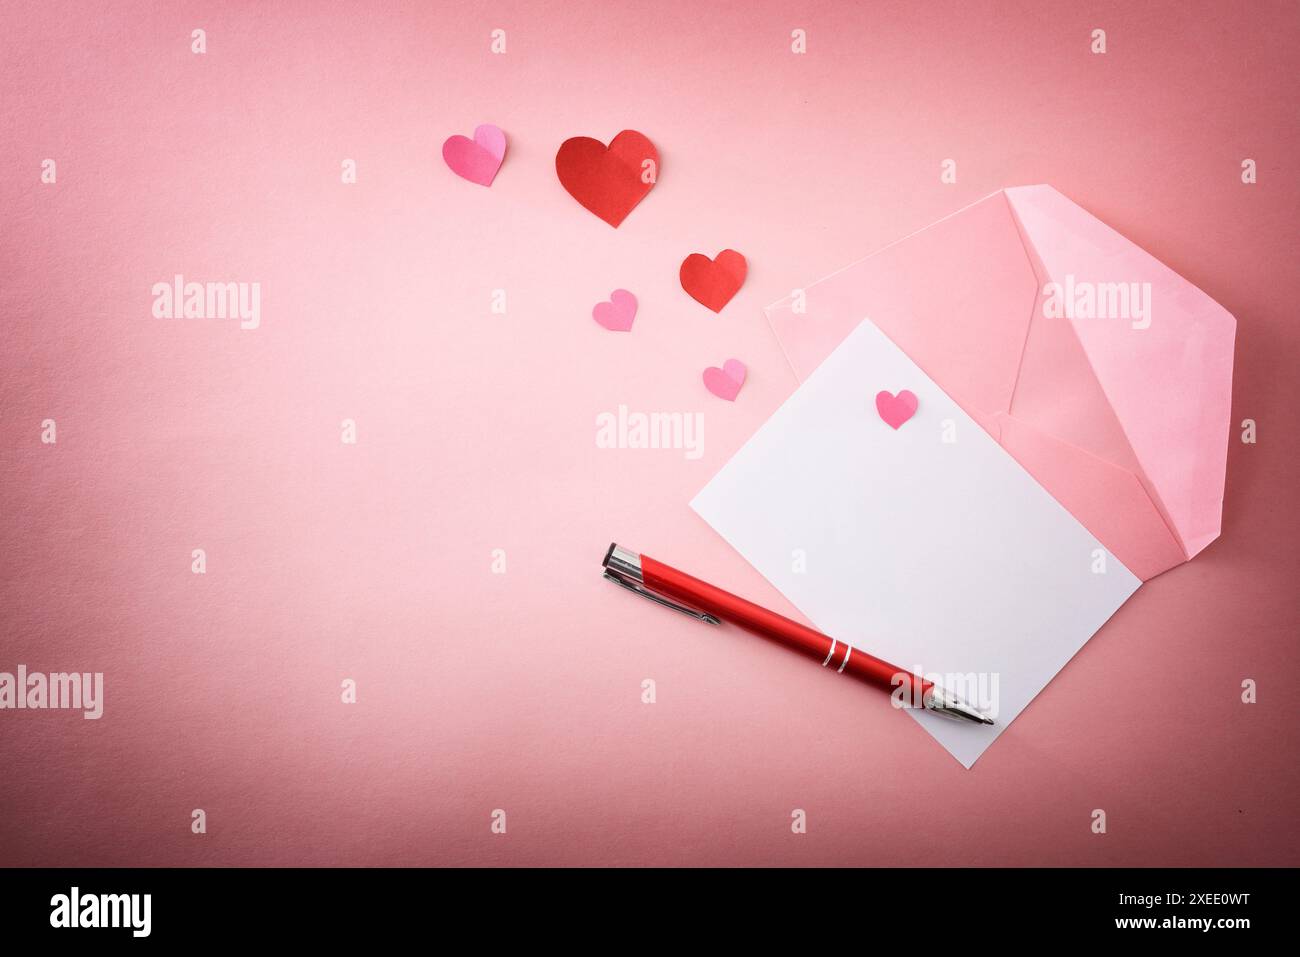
pixel 1104 373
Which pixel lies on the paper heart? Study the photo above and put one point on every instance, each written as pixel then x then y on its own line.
pixel 713 282
pixel 618 313
pixel 476 160
pixel 609 181
pixel 896 409
pixel 725 383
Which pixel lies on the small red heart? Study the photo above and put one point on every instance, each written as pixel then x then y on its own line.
pixel 896 409
pixel 611 180
pixel 713 282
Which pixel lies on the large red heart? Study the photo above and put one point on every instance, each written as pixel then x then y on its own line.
pixel 713 281
pixel 611 180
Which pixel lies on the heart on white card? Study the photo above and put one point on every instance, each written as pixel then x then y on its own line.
pixel 944 558
pixel 894 410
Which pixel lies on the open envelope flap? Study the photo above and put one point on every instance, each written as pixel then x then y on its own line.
pixel 1160 349
pixel 964 299
pixel 956 297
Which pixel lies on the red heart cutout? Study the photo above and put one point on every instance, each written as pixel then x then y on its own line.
pixel 609 181
pixel 713 282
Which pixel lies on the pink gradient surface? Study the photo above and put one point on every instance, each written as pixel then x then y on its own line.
pixel 476 431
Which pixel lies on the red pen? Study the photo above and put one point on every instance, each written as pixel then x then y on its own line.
pixel 679 591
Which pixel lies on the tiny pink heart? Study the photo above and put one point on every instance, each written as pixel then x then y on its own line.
pixel 618 313
pixel 725 383
pixel 476 160
pixel 896 409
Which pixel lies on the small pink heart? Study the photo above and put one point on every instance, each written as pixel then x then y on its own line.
pixel 617 314
pixel 476 160
pixel 896 409
pixel 725 383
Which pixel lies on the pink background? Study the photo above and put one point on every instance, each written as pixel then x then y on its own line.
pixel 477 431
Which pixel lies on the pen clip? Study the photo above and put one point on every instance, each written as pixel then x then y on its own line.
pixel 644 592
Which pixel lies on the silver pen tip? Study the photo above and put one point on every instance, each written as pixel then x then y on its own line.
pixel 944 702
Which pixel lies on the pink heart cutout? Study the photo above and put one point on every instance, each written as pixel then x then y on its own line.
pixel 476 160
pixel 896 409
pixel 617 314
pixel 725 383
